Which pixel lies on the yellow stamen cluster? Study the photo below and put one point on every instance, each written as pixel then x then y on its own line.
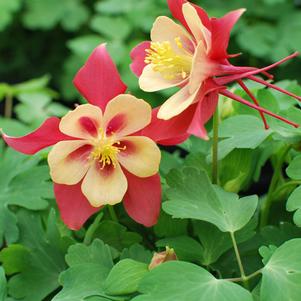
pixel 105 150
pixel 171 63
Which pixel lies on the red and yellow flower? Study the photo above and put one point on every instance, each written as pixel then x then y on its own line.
pixel 99 156
pixel 193 56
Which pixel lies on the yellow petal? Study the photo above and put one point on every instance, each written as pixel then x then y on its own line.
pixel 177 103
pixel 69 161
pixel 151 81
pixel 83 122
pixel 104 186
pixel 200 68
pixel 166 30
pixel 199 31
pixel 126 114
pixel 141 156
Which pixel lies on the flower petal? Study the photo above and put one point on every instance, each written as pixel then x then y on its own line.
pixel 69 161
pixel 83 122
pixel 177 103
pixel 205 109
pixel 165 29
pixel 199 31
pixel 142 200
pixel 47 134
pixel 138 56
pixel 98 80
pixel 175 7
pixel 126 114
pixel 151 81
pixel 141 156
pixel 221 30
pixel 104 186
pixel 201 68
pixel 169 132
pixel 73 205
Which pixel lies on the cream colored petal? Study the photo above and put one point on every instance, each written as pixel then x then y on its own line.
pixel 126 114
pixel 141 156
pixel 177 103
pixel 200 68
pixel 151 81
pixel 104 186
pixel 69 161
pixel 83 122
pixel 199 31
pixel 166 30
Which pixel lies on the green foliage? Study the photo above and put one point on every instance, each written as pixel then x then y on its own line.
pixel 193 196
pixel 174 280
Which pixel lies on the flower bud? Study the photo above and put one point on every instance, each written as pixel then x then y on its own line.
pixel 159 258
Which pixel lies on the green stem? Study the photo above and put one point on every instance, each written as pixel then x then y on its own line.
pixel 8 109
pixel 246 278
pixel 266 206
pixel 215 147
pixel 113 214
pixel 91 230
pixel 284 186
pixel 239 262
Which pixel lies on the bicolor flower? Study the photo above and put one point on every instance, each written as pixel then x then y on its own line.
pixel 99 156
pixel 193 56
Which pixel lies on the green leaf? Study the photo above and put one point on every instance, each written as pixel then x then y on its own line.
pixel 116 235
pixel 48 13
pixel 138 253
pixel 243 131
pixel 7 9
pixel 22 184
pixel 44 262
pixel 294 168
pixel 89 266
pixel 193 196
pixel 185 281
pixel 282 274
pixel 267 252
pixel 14 258
pixel 3 285
pixel 114 28
pixel 186 248
pixel 125 277
pixel 294 204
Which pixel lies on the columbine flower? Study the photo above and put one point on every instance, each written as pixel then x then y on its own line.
pixel 193 56
pixel 158 258
pixel 99 155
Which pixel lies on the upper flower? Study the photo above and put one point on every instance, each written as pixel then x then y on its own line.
pixel 193 56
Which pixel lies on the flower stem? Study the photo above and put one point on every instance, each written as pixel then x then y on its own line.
pixel 244 278
pixel 284 186
pixel 266 206
pixel 91 230
pixel 239 279
pixel 112 213
pixel 215 147
pixel 8 109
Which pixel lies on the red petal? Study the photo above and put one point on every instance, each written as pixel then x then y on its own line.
pixel 47 134
pixel 221 30
pixel 73 205
pixel 138 56
pixel 172 131
pixel 98 80
pixel 142 200
pixel 205 109
pixel 175 6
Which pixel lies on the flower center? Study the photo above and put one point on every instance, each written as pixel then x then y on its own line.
pixel 170 63
pixel 105 150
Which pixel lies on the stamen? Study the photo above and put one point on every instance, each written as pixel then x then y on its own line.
pixel 166 60
pixel 105 150
pixel 245 102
